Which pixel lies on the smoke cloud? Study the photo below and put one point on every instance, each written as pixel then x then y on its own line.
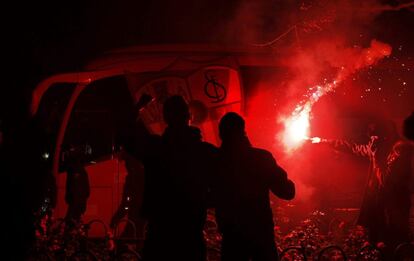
pixel 319 43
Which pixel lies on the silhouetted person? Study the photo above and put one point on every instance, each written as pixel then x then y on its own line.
pixel 132 195
pixel 382 136
pixel 397 193
pixel 408 130
pixel 1 135
pixel 399 188
pixel 241 189
pixel 408 127
pixel 177 168
pixel 77 186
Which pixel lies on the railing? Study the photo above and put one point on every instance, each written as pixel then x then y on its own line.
pixel 62 240
pixel 58 238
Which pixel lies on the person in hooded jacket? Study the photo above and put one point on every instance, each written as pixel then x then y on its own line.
pixel 241 189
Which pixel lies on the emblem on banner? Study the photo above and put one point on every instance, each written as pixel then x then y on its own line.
pixel 213 89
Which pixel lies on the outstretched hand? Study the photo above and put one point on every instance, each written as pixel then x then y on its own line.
pixel 317 140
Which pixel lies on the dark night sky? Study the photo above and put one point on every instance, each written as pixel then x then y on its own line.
pixel 46 37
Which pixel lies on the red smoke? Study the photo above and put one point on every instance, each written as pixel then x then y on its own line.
pixel 354 59
pixel 330 45
pixel 346 61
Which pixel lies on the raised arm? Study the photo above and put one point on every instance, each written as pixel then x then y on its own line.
pixel 363 150
pixel 137 139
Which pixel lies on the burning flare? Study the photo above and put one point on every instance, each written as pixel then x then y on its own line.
pixel 296 125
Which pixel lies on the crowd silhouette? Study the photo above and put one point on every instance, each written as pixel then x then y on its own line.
pixel 183 176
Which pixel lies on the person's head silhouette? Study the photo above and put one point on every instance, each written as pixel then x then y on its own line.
pixel 231 127
pixel 176 111
pixel 383 129
pixel 408 127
